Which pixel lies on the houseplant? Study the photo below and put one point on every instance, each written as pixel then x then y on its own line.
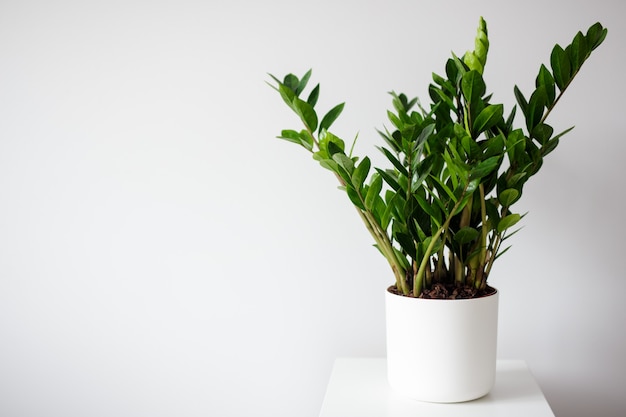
pixel 442 211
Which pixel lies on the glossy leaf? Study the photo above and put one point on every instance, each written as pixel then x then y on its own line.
pixel 545 79
pixel 466 235
pixel 313 96
pixel 291 82
pixel 331 116
pixel 331 144
pixel 306 113
pixel 394 161
pixel 433 212
pixel 484 168
pixel 595 35
pixel 515 144
pixel 287 95
pixel 521 100
pixel 473 86
pixel 508 197
pixel 355 198
pixel 549 146
pixel 488 118
pixel 536 106
pixel 561 67
pixel 290 135
pixel 542 132
pixel 303 82
pixel 373 191
pixel 360 173
pixel 578 51
pixel 508 221
pixel 389 179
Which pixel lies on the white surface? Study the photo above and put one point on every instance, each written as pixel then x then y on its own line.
pixel 162 254
pixel 441 350
pixel 358 388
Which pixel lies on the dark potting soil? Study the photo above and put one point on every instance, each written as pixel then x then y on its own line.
pixel 451 292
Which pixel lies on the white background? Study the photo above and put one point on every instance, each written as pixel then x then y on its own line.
pixel 161 254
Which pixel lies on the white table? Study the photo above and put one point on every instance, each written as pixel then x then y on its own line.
pixel 358 388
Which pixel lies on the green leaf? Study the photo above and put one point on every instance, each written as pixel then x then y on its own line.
pixel 290 135
pixel 303 82
pixel 443 188
pixel 578 51
pixel 484 168
pixel 406 243
pixel 373 191
pixel 378 209
pixel 390 198
pixel 306 139
pixel 545 79
pixel 488 118
pixel 508 221
pixel 473 86
pixel 515 144
pixel 563 133
pixel 354 197
pixel 395 120
pixel 335 148
pixel 595 35
pixel 331 144
pixel 466 235
pixel 402 259
pixel 344 162
pixel 344 167
pixel 331 116
pixel 396 163
pixel 388 176
pixel 542 132
pixel 453 72
pixel 494 146
pixel 549 146
pixel 313 96
pixel 473 62
pixel 303 138
pixel 426 132
pixel 510 182
pixel 521 100
pixel 509 121
pixel 426 243
pixel 561 67
pixel 444 97
pixel 536 104
pixel 508 197
pixel 288 96
pixel 390 140
pixel 502 252
pixel 306 113
pixel 430 209
pixel 278 82
pixel 291 82
pixel 360 173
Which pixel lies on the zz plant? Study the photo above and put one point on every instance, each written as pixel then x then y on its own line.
pixel 441 213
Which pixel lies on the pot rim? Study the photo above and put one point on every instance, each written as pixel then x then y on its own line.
pixel 495 292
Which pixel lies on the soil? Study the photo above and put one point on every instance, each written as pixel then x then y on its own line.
pixel 451 292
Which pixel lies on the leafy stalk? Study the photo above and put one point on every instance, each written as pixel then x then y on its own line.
pixel 422 210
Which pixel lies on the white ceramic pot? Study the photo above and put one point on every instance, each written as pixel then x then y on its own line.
pixel 441 350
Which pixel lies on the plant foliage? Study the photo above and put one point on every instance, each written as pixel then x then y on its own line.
pixel 443 209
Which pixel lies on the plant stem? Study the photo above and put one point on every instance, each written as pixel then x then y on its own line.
pixel 382 240
pixel 483 241
pixel 419 277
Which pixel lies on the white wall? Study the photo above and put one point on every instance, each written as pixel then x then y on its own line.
pixel 162 255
